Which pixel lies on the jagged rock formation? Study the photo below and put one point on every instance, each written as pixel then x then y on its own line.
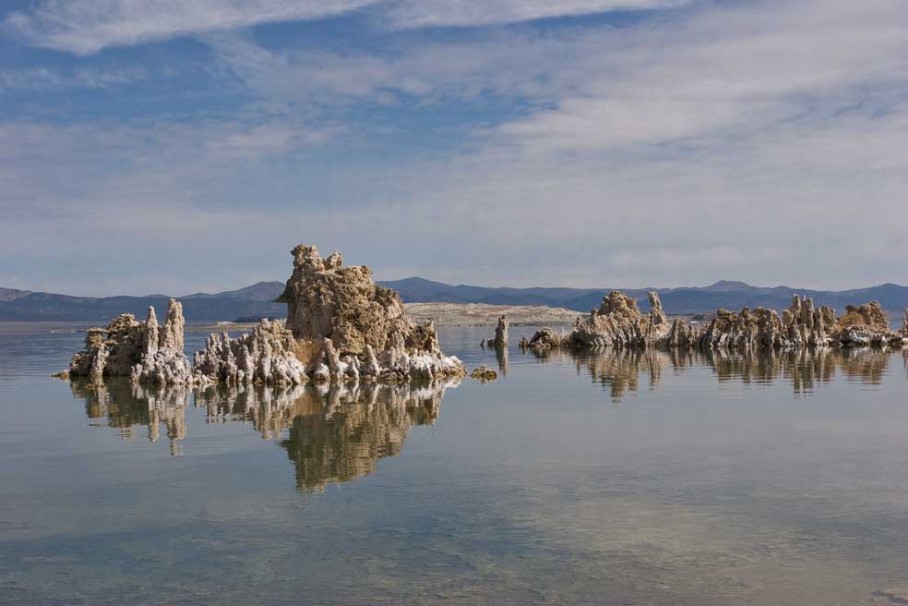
pixel 326 300
pixel 905 324
pixel 346 327
pixel 542 341
pixel 340 326
pixel 800 325
pixel 142 350
pixel 619 323
pixel 265 356
pixel 163 360
pixel 865 325
pixel 501 333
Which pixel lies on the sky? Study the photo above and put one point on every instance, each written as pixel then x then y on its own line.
pixel 165 146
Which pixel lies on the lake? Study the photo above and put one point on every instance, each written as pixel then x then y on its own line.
pixel 636 478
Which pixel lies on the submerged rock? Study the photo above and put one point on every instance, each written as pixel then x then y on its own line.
pixel 484 374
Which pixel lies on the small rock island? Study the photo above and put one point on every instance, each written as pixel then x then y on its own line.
pixel 340 327
pixel 620 324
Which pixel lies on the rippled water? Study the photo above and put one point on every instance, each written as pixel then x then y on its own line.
pixel 642 478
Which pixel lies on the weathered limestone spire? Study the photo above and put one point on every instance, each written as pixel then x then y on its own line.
pixel 657 315
pixel 174 325
pixel 501 333
pixel 151 333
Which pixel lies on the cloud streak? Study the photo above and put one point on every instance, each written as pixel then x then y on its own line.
pixel 85 27
pixel 422 13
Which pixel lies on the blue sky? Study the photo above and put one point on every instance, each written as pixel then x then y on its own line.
pixel 173 146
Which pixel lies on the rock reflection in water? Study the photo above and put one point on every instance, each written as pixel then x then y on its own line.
pixel 622 371
pixel 127 405
pixel 625 371
pixel 332 433
pixel 501 354
pixel 339 435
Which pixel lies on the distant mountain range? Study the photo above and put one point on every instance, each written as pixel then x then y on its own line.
pixel 684 300
pixel 257 300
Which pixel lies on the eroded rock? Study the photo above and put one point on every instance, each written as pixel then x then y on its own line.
pixel 341 327
pixel 141 350
pixel 354 328
pixel 501 333
pixel 268 355
pixel 619 323
pixel 326 300
pixel 543 340
pixel 801 325
pixel 483 374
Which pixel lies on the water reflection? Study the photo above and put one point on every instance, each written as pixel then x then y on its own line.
pixel 340 435
pixel 624 372
pixel 332 433
pixel 126 406
pixel 501 354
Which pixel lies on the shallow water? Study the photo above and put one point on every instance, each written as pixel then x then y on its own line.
pixel 630 479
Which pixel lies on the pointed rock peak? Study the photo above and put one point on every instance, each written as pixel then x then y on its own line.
pixel 174 326
pixel 335 261
pixel 656 311
pixel 307 257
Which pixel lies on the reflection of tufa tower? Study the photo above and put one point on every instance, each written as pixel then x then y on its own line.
pixel 622 371
pixel 336 432
pixel 126 405
pixel 342 438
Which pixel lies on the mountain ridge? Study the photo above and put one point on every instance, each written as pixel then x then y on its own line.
pixel 258 299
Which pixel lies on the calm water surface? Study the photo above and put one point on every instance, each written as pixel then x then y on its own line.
pixel 631 479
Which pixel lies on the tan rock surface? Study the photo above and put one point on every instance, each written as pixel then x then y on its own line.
pixel 619 323
pixel 142 350
pixel 340 326
pixel 501 333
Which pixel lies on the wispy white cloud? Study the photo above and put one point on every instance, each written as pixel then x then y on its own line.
pixel 741 68
pixel 419 13
pixel 510 65
pixel 88 26
pixel 760 141
pixel 45 79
